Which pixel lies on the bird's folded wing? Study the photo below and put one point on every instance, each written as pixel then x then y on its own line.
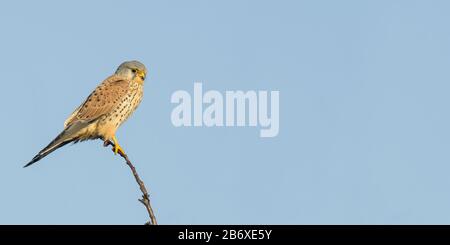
pixel 105 98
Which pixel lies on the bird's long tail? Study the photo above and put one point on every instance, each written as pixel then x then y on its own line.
pixel 61 140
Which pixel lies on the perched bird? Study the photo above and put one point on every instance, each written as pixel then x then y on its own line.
pixel 104 110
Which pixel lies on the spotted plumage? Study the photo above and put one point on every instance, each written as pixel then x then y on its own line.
pixel 104 110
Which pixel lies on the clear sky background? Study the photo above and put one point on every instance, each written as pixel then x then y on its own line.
pixel 364 119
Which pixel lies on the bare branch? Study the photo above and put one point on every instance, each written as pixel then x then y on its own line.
pixel 145 197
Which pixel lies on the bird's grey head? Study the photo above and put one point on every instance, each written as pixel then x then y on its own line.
pixel 132 69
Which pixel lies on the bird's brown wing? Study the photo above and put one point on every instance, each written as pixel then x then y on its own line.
pixel 103 100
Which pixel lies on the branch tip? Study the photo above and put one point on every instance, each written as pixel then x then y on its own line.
pixel 145 197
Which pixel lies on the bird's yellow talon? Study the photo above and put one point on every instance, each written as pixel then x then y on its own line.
pixel 117 148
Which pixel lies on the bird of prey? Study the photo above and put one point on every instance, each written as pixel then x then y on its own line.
pixel 104 110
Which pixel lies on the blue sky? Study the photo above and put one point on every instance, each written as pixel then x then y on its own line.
pixel 364 116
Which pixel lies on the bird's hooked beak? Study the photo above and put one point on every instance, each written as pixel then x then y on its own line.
pixel 141 74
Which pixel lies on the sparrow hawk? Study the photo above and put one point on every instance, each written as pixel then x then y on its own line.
pixel 104 110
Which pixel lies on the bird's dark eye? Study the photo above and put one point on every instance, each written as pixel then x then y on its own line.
pixel 134 70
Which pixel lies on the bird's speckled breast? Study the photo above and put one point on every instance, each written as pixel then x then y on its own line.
pixel 125 107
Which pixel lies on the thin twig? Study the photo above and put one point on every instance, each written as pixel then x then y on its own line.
pixel 145 197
